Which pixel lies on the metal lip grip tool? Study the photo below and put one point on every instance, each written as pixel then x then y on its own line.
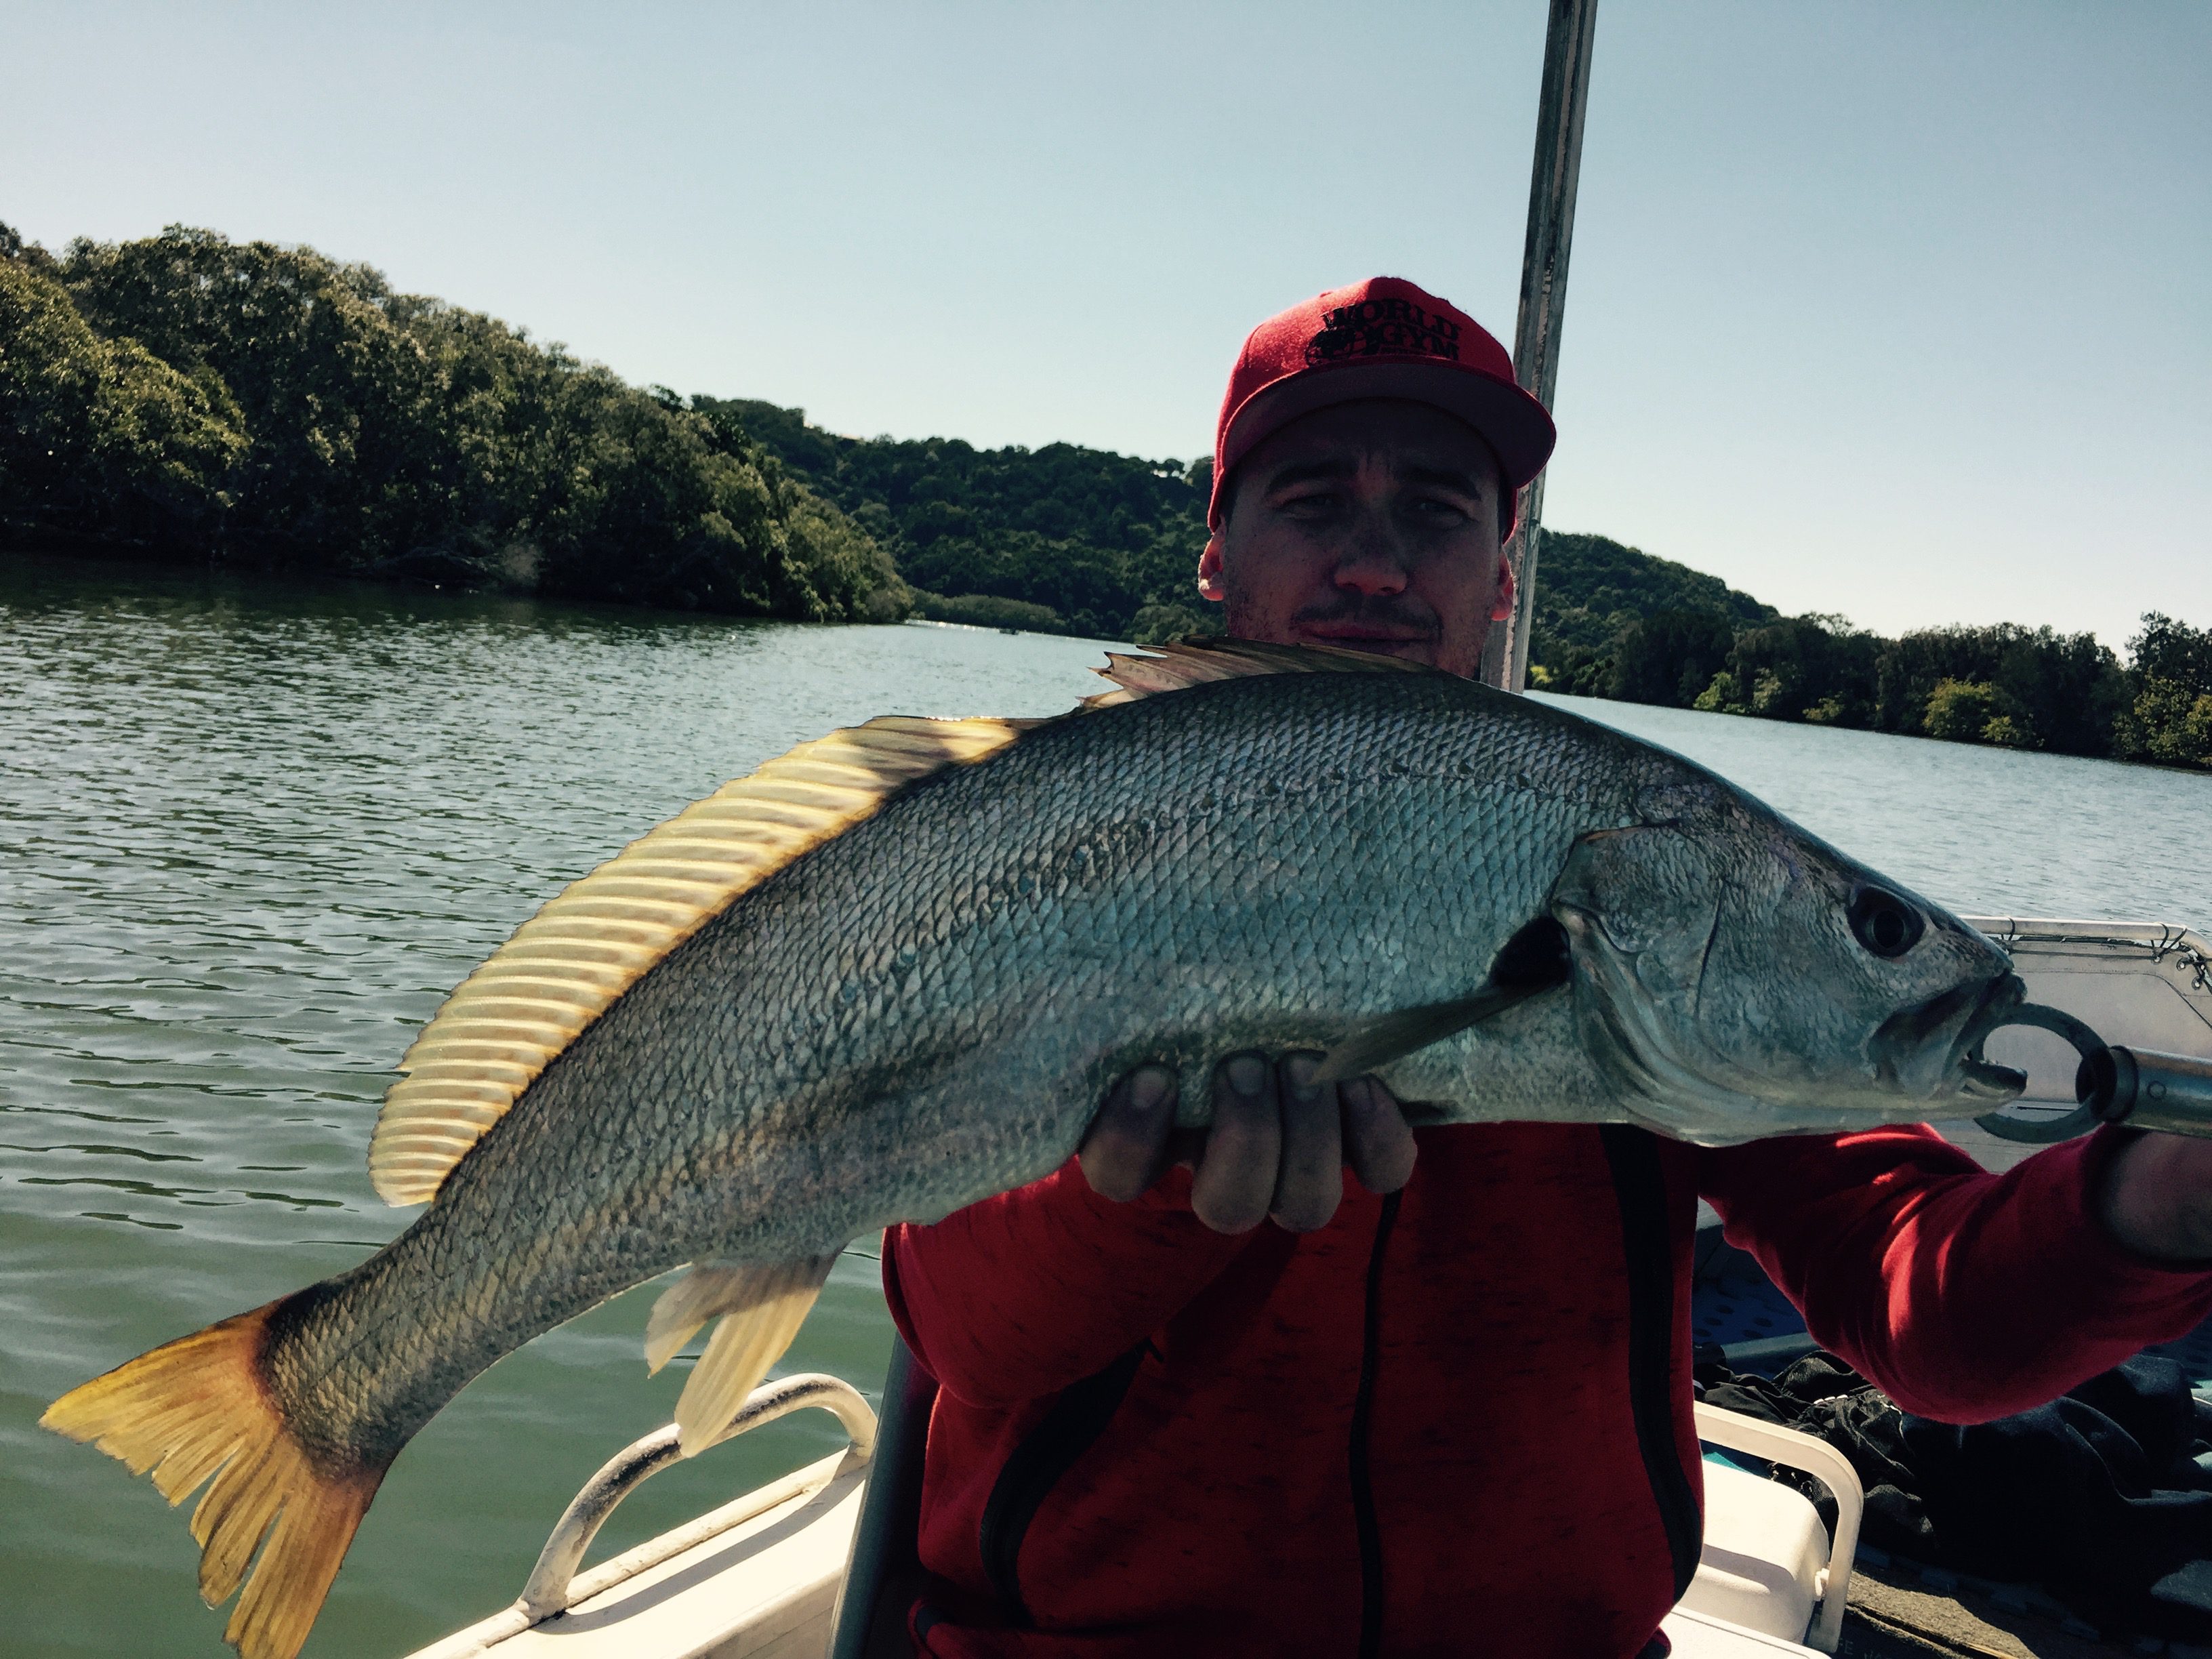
pixel 2144 1090
pixel 2138 1088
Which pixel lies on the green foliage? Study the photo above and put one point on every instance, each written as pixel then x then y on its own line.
pixel 1592 592
pixel 186 396
pixel 1615 623
pixel 1159 624
pixel 1669 657
pixel 988 610
pixel 101 440
pixel 2172 651
pixel 2062 691
pixel 1796 665
pixel 1975 711
pixel 2169 723
pixel 1723 694
pixel 1098 540
pixel 2168 719
pixel 2014 687
pixel 199 397
pixel 1589 588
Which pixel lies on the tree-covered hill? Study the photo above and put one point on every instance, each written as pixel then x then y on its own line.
pixel 1063 539
pixel 1589 588
pixel 186 396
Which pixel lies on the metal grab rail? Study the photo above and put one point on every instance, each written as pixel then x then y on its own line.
pixel 547 1591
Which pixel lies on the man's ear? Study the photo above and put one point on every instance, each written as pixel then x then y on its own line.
pixel 1501 608
pixel 1209 571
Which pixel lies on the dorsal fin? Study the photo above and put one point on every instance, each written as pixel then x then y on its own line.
pixel 567 965
pixel 1195 662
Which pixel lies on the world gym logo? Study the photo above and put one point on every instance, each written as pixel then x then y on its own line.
pixel 1374 326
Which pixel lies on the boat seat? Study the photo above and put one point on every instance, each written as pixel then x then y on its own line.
pixel 1765 1552
pixel 1767 1570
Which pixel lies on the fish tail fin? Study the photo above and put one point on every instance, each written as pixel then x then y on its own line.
pixel 200 1410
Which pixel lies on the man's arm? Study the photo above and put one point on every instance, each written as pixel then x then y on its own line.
pixel 2157 1198
pixel 1964 1295
pixel 1023 1294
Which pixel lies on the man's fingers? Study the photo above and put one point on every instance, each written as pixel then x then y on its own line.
pixel 1278 1145
pixel 1121 1154
pixel 1378 1142
pixel 1310 1183
pixel 1235 1178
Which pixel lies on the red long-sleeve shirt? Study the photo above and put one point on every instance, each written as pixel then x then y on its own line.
pixel 1456 1420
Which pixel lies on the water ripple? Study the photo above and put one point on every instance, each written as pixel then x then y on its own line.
pixel 249 838
pixel 250 834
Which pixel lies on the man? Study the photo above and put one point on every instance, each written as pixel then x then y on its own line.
pixel 1326 1384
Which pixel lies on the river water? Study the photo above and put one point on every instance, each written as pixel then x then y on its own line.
pixel 251 833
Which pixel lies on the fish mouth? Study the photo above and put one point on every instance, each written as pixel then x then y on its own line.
pixel 1955 1024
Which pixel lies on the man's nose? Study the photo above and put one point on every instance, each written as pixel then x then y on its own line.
pixel 1372 564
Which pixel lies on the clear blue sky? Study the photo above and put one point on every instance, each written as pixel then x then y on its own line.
pixel 1902 310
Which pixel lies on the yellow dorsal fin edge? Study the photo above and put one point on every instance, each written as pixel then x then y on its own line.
pixel 568 964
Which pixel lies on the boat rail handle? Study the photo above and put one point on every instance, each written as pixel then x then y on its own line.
pixel 547 1591
pixel 1798 1450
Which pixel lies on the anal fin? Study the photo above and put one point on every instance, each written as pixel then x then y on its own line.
pixel 760 1306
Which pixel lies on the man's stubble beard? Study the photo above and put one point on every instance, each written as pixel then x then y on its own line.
pixel 1399 613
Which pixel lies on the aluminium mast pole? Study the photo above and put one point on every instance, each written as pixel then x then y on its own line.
pixel 1559 110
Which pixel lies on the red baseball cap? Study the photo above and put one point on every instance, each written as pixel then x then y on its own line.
pixel 1383 337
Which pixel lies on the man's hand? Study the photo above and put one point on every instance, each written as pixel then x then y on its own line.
pixel 1278 1147
pixel 2157 1200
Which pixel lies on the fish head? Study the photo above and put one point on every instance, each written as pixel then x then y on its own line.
pixel 1734 977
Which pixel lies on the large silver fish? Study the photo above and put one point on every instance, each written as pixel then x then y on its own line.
pixel 894 971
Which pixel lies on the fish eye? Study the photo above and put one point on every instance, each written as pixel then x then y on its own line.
pixel 1885 923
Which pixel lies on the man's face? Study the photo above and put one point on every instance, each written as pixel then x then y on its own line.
pixel 1372 525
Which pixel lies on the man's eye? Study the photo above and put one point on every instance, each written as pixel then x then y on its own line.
pixel 1442 512
pixel 1320 501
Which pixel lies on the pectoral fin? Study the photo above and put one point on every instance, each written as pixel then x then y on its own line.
pixel 1536 959
pixel 761 1307
pixel 1393 1036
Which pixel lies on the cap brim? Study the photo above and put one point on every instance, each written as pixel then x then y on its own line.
pixel 1511 422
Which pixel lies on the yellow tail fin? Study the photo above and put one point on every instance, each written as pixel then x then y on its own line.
pixel 197 1407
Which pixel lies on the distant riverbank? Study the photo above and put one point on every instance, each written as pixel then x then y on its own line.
pixel 186 399
pixel 2001 685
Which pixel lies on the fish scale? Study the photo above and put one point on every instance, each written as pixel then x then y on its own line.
pixel 815 1005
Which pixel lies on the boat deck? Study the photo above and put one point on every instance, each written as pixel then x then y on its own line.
pixel 1901 1611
